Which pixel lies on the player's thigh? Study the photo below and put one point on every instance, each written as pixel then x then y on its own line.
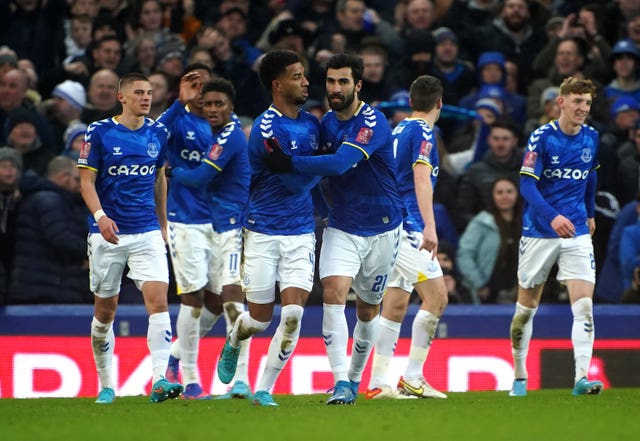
pixel 225 260
pixel 413 265
pixel 148 259
pixel 106 264
pixel 576 260
pixel 297 263
pixel 190 246
pixel 340 253
pixel 261 254
pixel 378 260
pixel 536 258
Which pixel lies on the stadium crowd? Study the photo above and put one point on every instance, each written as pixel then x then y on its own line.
pixel 500 63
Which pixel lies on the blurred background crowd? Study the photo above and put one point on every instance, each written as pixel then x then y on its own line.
pixel 500 62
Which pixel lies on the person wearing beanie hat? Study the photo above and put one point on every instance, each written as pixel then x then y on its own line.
pixel 24 138
pixel 457 76
pixel 73 139
pixel 72 92
pixel 10 155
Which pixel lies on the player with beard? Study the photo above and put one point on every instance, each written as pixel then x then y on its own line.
pixel 361 241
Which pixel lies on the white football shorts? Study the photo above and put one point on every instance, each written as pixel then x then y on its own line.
pixel 537 256
pixel 226 260
pixel 290 260
pixel 413 265
pixel 145 253
pixel 368 260
pixel 191 248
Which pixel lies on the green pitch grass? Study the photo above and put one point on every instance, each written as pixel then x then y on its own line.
pixel 546 415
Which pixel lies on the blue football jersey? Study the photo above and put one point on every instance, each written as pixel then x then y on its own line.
pixel 125 162
pixel 413 143
pixel 229 191
pixel 561 164
pixel 363 201
pixel 274 208
pixel 190 141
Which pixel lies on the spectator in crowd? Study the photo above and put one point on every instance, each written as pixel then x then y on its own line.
pixel 548 106
pixel 64 108
pixel 102 99
pixel 74 139
pixel 162 96
pixel 457 76
pixel 414 15
pixel 624 115
pixel 230 63
pixel 487 254
pixel 376 84
pixel 34 29
pixel 585 27
pixel 628 171
pixel 462 14
pixel 146 18
pixel 201 55
pixel 568 60
pixel 630 251
pixel 141 54
pixel 456 291
pixel 511 33
pixel 78 37
pixel 24 138
pixel 492 79
pixel 10 196
pixel 233 22
pixel 419 50
pixel 626 65
pixel 502 160
pixel 8 60
pixel 13 90
pixel 609 286
pixel 51 251
pixel 354 21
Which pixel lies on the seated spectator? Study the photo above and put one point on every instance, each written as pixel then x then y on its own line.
pixel 376 85
pixel 414 15
pixel 488 249
pixel 457 293
pixel 418 54
pixel 10 170
pixel 162 96
pixel 630 250
pixel 102 98
pixel 51 263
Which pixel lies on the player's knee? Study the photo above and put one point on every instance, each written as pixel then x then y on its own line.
pixel 291 318
pixel 582 307
pixel 233 310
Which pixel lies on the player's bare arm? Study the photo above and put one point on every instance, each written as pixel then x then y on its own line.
pixel 107 226
pixel 160 195
pixel 424 196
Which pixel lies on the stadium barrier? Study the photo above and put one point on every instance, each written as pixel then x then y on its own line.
pixel 46 351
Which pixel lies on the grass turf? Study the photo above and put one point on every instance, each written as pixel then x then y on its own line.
pixel 543 415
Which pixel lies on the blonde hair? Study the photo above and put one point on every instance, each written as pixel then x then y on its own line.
pixel 578 86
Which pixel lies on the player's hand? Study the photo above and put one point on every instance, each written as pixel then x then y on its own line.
pixel 108 229
pixel 276 160
pixel 190 87
pixel 591 223
pixel 563 227
pixel 429 241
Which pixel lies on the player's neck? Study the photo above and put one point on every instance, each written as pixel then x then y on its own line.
pixel 428 117
pixel 287 108
pixel 348 112
pixel 567 126
pixel 132 122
